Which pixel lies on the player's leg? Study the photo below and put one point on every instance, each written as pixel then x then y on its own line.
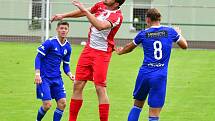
pixel 58 113
pixel 83 73
pixel 100 68
pixel 157 95
pixel 154 114
pixel 136 110
pixel 76 100
pixel 140 94
pixel 58 92
pixel 43 92
pixel 103 102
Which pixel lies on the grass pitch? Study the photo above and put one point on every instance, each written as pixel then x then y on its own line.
pixel 190 90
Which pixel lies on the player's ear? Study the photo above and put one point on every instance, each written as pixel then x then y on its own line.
pixel 148 20
pixel 117 4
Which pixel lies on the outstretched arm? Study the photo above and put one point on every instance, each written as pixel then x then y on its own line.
pixel 74 14
pixel 127 49
pixel 99 25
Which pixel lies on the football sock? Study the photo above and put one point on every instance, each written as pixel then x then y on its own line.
pixel 153 118
pixel 40 114
pixel 75 106
pixel 104 112
pixel 57 114
pixel 134 114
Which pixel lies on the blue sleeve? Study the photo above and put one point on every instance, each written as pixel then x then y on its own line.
pixel 139 38
pixel 174 35
pixel 44 48
pixel 66 68
pixel 38 61
pixel 66 61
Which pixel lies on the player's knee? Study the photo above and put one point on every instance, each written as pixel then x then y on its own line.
pixel 100 89
pixel 154 112
pixel 47 105
pixel 62 104
pixel 78 86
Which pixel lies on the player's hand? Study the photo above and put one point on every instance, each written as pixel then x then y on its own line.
pixel 177 29
pixel 118 50
pixel 79 5
pixel 38 79
pixel 57 17
pixel 72 77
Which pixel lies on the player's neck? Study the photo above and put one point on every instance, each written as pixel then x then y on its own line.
pixel 154 24
pixel 111 8
pixel 62 39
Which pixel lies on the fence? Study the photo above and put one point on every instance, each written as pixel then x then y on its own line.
pixel 29 20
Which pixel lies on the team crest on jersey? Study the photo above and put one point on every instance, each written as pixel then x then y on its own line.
pixel 65 52
pixel 55 49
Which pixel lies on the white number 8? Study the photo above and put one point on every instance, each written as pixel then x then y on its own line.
pixel 157 50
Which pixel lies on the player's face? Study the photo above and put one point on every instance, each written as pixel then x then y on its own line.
pixel 62 30
pixel 109 2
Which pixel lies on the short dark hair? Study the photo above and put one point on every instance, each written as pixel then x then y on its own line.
pixel 153 14
pixel 62 23
pixel 120 2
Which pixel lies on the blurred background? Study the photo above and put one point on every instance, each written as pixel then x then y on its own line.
pixel 29 20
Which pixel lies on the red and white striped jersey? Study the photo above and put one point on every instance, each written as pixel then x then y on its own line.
pixel 104 39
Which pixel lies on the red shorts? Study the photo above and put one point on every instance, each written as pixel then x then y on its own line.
pixel 93 65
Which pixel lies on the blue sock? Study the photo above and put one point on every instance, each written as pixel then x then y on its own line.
pixel 40 114
pixel 153 118
pixel 57 114
pixel 134 114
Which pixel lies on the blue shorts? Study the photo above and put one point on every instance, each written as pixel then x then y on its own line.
pixel 51 88
pixel 152 85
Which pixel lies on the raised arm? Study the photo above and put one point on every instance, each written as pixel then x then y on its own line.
pixel 99 25
pixel 73 14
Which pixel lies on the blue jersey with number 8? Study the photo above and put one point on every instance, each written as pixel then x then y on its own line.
pixel 157 44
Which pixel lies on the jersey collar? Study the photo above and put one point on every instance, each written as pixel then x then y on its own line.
pixel 60 42
pixel 155 26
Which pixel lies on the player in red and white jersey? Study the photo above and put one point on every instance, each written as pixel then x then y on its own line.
pixel 105 18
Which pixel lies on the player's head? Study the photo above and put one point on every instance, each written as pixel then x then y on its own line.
pixel 153 15
pixel 62 28
pixel 115 3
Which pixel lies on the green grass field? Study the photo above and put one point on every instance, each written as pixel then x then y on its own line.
pixel 190 92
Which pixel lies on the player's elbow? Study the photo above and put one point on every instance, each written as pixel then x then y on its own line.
pixel 184 46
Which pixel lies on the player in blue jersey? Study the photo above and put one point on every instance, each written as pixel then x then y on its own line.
pixel 151 81
pixel 47 71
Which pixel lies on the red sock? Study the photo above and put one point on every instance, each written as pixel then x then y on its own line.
pixel 75 106
pixel 103 112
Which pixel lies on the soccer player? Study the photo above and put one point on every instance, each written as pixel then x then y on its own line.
pixel 151 81
pixel 47 71
pixel 106 19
